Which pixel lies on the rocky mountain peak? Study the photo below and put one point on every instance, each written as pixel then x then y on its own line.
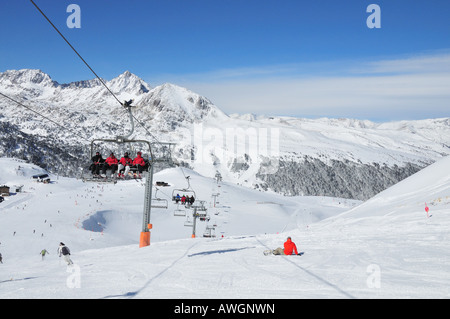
pixel 128 82
pixel 26 77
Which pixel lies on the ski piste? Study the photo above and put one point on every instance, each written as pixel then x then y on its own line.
pixel 269 252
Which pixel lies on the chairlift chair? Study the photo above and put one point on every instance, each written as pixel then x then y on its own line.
pixel 119 140
pixel 179 212
pixel 199 206
pixel 159 202
pixel 209 232
pixel 188 223
pixel 88 177
pixel 183 191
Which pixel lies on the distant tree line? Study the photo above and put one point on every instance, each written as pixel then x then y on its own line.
pixel 345 179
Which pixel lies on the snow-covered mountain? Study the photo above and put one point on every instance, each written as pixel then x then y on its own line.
pixel 334 157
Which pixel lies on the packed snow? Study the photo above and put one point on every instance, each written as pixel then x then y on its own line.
pixel 386 247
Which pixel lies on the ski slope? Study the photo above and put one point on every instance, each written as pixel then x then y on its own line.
pixel 386 247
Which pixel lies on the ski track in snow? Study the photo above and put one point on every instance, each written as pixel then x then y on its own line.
pixel 385 247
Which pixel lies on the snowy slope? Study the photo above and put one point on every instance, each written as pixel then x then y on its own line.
pixel 383 248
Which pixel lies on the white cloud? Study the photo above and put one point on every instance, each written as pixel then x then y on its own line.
pixel 435 63
pixel 407 88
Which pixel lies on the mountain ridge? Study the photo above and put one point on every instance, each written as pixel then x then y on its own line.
pixel 325 156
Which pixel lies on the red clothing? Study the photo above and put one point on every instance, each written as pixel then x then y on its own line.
pixel 112 160
pixel 289 246
pixel 139 161
pixel 126 161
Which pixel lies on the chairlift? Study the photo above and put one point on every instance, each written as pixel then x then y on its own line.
pixel 200 211
pixel 178 193
pixel 199 206
pixel 209 232
pixel 179 212
pixel 89 177
pixel 120 140
pixel 203 216
pixel 188 223
pixel 110 177
pixel 159 202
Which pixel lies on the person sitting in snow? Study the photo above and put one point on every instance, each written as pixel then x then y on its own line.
pixel 289 248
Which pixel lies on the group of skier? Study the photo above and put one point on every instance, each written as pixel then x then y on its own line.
pixel 185 200
pixel 63 251
pixel 122 166
pixel 289 249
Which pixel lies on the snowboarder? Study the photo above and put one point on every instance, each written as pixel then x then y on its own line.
pixel 1 259
pixel 43 253
pixel 64 250
pixel 289 248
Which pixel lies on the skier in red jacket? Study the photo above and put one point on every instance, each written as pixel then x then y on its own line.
pixel 124 165
pixel 110 163
pixel 289 248
pixel 139 163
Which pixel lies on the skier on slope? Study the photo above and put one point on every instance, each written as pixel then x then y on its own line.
pixel 289 248
pixel 64 250
pixel 43 253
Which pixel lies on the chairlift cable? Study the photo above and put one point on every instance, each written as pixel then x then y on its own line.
pixel 59 32
pixel 90 68
pixel 43 116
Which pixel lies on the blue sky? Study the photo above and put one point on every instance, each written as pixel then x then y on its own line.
pixel 288 57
